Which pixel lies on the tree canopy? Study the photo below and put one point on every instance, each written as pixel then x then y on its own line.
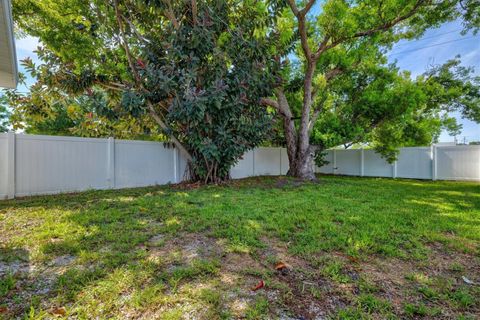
pixel 197 70
pixel 215 76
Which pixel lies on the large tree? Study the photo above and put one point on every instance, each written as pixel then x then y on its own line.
pixel 197 69
pixel 345 38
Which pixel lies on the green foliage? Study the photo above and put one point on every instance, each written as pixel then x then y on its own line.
pixel 386 109
pixel 50 108
pixel 7 283
pixel 121 68
pixel 320 160
pixel 214 78
pixel 4 114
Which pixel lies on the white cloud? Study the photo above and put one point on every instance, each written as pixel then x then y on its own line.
pixel 27 44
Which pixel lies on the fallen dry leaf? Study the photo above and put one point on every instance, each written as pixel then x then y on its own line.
pixel 59 311
pixel 280 266
pixel 260 285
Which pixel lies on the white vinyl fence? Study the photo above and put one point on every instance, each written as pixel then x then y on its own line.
pixel 34 164
pixel 435 163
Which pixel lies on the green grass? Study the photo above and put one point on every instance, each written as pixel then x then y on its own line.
pixel 106 234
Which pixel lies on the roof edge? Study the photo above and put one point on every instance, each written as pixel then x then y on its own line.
pixel 11 40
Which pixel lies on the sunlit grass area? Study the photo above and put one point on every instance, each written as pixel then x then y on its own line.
pixel 354 248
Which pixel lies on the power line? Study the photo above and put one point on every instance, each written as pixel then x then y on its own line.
pixel 433 45
pixel 426 38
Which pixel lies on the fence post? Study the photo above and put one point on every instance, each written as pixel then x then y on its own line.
pixel 362 163
pixel 11 165
pixel 280 149
pixel 111 163
pixel 175 165
pixel 433 149
pixel 334 161
pixel 253 162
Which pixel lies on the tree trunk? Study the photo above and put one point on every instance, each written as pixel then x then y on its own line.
pixel 302 166
pixel 300 153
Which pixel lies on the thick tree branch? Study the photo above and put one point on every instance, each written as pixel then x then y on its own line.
pixel 194 11
pixel 269 102
pixel 302 26
pixel 315 116
pixel 321 48
pixel 123 38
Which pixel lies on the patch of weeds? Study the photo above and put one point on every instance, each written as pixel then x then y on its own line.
pixel 34 314
pixel 462 298
pixel 259 310
pixel 197 269
pixel 151 295
pixel 419 278
pixel 7 283
pixel 255 272
pixel 74 280
pixel 175 314
pixel 271 259
pixel 286 293
pixel 316 292
pixel 60 248
pixel 351 314
pixel 456 267
pixel 9 253
pixel 213 299
pixel 371 304
pixel 419 310
pixel 241 248
pixel 428 292
pixel 334 270
pixel 367 286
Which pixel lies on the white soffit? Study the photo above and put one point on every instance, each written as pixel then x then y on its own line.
pixel 8 57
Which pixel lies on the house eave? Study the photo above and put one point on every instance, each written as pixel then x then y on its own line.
pixel 8 61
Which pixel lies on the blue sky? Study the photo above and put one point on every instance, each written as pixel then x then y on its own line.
pixel 435 47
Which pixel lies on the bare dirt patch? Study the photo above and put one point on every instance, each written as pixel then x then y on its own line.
pixel 29 280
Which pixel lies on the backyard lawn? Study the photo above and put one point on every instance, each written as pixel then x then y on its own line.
pixel 354 248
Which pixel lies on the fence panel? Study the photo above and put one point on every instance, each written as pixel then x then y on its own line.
pixel 245 166
pixel 143 163
pixel 284 163
pixel 3 166
pixel 46 164
pixel 458 163
pixel 328 168
pixel 267 162
pixel 415 163
pixel 375 165
pixel 348 162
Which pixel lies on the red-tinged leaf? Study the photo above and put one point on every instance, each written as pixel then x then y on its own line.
pixel 3 309
pixel 260 285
